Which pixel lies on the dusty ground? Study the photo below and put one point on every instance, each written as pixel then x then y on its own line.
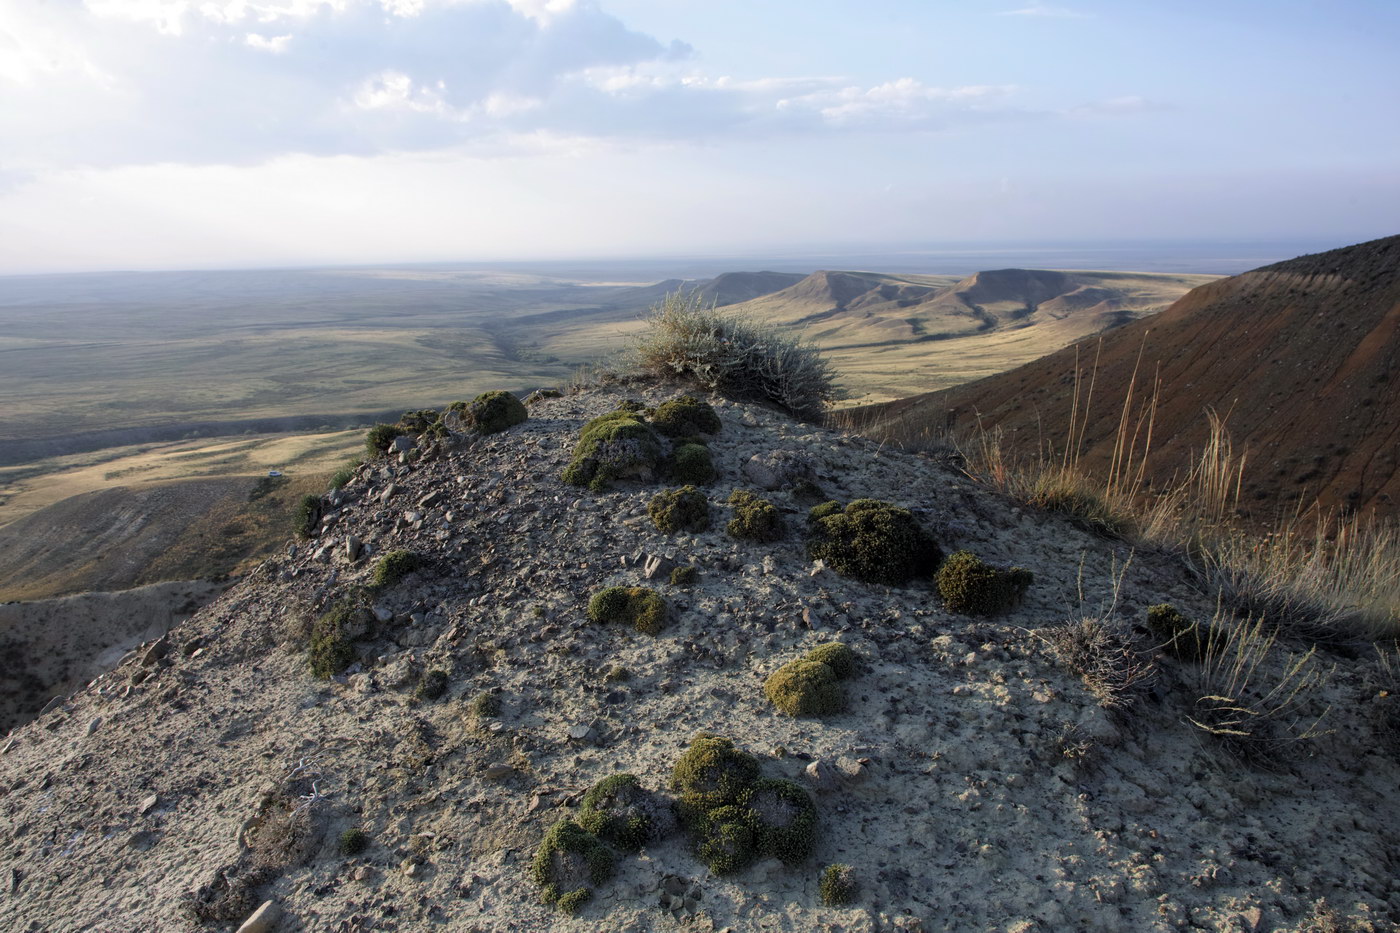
pixel 188 771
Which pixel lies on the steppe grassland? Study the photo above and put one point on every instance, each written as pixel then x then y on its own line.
pixel 27 489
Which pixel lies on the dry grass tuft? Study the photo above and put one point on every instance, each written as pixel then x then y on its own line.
pixel 734 356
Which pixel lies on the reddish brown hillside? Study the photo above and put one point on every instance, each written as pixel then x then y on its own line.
pixel 1304 355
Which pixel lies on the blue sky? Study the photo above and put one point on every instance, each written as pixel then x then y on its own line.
pixel 215 133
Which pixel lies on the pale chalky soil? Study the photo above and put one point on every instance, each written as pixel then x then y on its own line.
pixel 945 783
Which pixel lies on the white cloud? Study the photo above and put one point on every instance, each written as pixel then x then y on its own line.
pixel 274 44
pixel 123 82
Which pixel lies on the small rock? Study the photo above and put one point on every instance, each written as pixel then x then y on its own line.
pixel 148 804
pixel 402 444
pixel 388 492
pixel 154 653
pixel 777 469
pixel 383 615
pixel 94 725
pixel 431 499
pixel 581 732
pixel 822 775
pixel 353 547
pixel 496 771
pixel 52 705
pixel 1253 918
pixel 657 567
pixel 263 919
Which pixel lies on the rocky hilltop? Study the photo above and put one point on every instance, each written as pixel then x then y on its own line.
pixel 1018 769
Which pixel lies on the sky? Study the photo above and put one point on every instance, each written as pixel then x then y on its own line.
pixel 167 134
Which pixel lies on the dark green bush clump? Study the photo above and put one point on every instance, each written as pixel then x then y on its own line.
pixel 684 576
pixel 308 516
pixel 569 864
pixel 613 446
pixel 379 438
pixel 1178 636
pixel 841 659
pixel 332 636
pixel 783 819
pixel 692 463
pixel 838 885
pixel 393 567
pixel 970 586
pixel 754 519
pixel 352 842
pixel 493 412
pixel 725 840
pixel 810 685
pixel 485 704
pixel 685 416
pixel 618 809
pixel 711 774
pixel 684 509
pixel 345 474
pixel 872 541
pixel 637 606
pixel 432 685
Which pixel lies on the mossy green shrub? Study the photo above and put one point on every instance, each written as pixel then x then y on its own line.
pixel 754 519
pixel 872 541
pixel 613 446
pixel 485 704
pixel 685 416
pixel 838 885
pixel 810 685
pixel 417 422
pixel 540 395
pixel 840 658
pixel 432 685
pixel 973 587
pixel 805 688
pixel 379 438
pixel 352 842
pixel 493 412
pixel 307 518
pixel 684 576
pixel 637 606
pixel 569 864
pixel 393 567
pixel 783 819
pixel 619 810
pixel 1177 635
pixel 818 512
pixel 332 637
pixel 712 773
pixel 725 839
pixel 684 509
pixel 692 463
pixel 346 473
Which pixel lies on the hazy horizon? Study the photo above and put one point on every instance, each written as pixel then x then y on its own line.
pixel 1228 258
pixel 170 134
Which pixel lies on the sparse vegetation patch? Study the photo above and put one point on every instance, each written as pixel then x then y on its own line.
pixel 614 446
pixel 684 509
pixel 569 864
pixel 755 519
pixel 642 608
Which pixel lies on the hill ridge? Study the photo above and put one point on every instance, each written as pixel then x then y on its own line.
pixel 210 771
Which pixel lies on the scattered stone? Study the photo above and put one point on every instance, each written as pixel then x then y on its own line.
pixel 822 775
pixel 431 499
pixel 497 770
pixel 157 651
pixel 402 444
pixel 778 469
pixel 389 492
pixel 353 548
pixel 148 804
pixel 581 732
pixel 657 567
pixel 263 919
pixel 93 726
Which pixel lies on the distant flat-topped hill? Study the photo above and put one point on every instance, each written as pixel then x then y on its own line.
pixel 896 335
pixel 1303 356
